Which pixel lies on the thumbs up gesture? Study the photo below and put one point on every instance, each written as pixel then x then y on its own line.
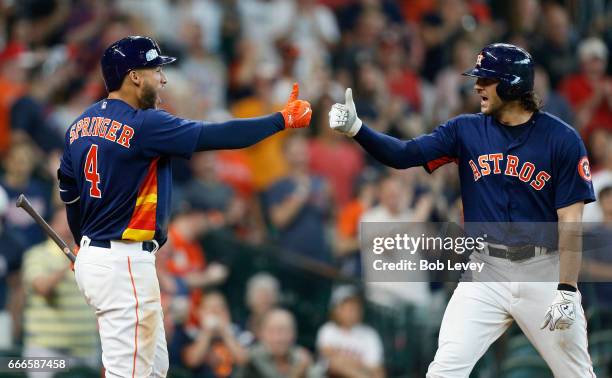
pixel 296 113
pixel 343 117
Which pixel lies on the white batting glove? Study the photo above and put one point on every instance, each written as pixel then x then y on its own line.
pixel 561 314
pixel 343 117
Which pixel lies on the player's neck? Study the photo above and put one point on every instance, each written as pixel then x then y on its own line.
pixel 513 114
pixel 125 96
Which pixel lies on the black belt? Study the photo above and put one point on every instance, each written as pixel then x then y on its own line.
pixel 148 246
pixel 516 253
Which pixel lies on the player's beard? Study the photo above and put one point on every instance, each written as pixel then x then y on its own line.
pixel 148 97
pixel 495 107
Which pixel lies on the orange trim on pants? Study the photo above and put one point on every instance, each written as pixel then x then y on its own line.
pixel 136 326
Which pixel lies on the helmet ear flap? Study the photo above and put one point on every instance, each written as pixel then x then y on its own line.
pixel 507 91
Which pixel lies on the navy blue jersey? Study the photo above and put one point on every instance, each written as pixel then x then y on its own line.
pixel 119 160
pixel 512 178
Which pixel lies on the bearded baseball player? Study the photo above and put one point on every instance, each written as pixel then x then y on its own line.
pixel 115 180
pixel 516 164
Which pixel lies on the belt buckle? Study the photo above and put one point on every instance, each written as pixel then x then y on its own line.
pixel 520 253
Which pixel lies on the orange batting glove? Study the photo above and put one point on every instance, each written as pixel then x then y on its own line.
pixel 75 252
pixel 296 113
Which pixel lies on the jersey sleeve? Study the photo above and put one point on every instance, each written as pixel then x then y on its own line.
pixel 441 146
pixel 572 176
pixel 69 191
pixel 163 134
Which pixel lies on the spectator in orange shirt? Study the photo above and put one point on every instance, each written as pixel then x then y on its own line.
pixel 590 91
pixel 12 86
pixel 182 267
pixel 347 224
pixel 213 348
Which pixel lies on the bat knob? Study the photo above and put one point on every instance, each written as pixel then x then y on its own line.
pixel 20 200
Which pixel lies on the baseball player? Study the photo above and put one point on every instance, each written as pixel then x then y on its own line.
pixel 115 179
pixel 516 164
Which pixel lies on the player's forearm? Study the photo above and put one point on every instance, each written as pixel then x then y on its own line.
pixel 73 214
pixel 239 133
pixel 570 243
pixel 388 150
pixel 570 253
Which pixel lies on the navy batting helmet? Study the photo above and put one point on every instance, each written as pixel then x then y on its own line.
pixel 127 54
pixel 511 65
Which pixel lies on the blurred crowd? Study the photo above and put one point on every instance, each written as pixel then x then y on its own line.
pixel 302 192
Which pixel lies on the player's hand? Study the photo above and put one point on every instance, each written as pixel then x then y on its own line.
pixel 296 113
pixel 343 117
pixel 561 314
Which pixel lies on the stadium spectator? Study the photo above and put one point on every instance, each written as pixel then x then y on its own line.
pixel 205 186
pixel 350 14
pixel 262 295
pixel 18 178
pixel 552 101
pixel 601 179
pixel 13 68
pixel 363 45
pixel 350 347
pixel 277 355
pixel 347 254
pixel 403 81
pixel 590 90
pixel 440 29
pixel 449 81
pixel 555 49
pixel 525 18
pixel 264 22
pixel 397 202
pixel 57 321
pixel 315 33
pixel 183 269
pixel 299 204
pixel 212 348
pixel 28 112
pixel 266 158
pixel 330 146
pixel 205 72
pixel 11 254
pixel 597 265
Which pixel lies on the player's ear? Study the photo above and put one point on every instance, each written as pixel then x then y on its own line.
pixel 135 77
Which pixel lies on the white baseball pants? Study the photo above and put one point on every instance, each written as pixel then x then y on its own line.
pixel 121 284
pixel 480 312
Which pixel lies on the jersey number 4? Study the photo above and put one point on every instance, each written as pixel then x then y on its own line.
pixel 91 171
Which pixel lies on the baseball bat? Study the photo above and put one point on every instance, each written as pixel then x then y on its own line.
pixel 23 202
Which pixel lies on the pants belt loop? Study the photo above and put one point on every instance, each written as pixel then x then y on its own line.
pixel 156 246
